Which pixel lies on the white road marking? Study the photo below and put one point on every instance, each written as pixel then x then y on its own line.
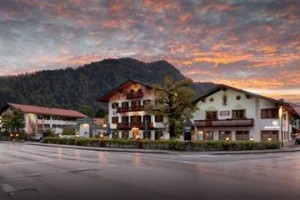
pixel 7 188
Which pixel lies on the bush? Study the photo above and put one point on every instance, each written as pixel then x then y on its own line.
pixel 166 144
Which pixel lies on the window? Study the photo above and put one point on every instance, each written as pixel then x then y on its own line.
pixel 147 135
pixel 114 120
pixel 271 113
pixel 125 134
pixel 147 117
pixel 208 135
pixel 159 135
pixel 147 102
pixel 225 135
pixel 238 114
pixel 125 104
pixel 46 117
pixel 238 97
pixel 125 119
pixel 211 115
pixel 114 134
pixel 242 135
pixel 269 135
pixel 211 99
pixel 136 119
pixel 114 105
pixel 159 118
pixel 135 103
pixel 56 118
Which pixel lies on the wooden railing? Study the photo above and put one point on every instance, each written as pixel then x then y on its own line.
pixel 224 123
pixel 130 109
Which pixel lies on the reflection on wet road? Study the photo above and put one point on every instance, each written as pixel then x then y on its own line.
pixel 37 172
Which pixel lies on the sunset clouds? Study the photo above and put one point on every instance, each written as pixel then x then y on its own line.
pixel 252 45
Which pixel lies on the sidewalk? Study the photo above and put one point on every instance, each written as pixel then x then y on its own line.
pixel 282 150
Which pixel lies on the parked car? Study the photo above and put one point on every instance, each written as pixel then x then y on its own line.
pixel 297 139
pixel 36 137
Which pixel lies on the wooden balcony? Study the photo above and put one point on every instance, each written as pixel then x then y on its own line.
pixel 130 109
pixel 224 123
pixel 135 95
pixel 128 126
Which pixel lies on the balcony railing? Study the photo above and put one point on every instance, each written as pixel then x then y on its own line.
pixel 130 109
pixel 224 123
pixel 135 95
pixel 140 125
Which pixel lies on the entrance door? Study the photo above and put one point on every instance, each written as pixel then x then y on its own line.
pixel 135 132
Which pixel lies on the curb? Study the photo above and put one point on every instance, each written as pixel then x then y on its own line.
pixel 287 150
pixel 102 149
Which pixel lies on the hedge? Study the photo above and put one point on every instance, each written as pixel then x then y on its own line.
pixel 166 144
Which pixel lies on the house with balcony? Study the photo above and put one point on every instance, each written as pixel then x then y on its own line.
pixel 38 119
pixel 228 113
pixel 128 118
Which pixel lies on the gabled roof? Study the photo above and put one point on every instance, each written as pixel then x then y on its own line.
pixel 121 88
pixel 296 108
pixel 45 110
pixel 226 87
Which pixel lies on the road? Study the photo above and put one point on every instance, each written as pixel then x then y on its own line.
pixel 36 173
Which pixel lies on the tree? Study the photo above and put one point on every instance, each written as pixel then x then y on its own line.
pixel 174 100
pixel 13 121
pixel 87 110
pixel 101 113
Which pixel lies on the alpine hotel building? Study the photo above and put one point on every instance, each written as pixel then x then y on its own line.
pixel 228 113
pixel 127 116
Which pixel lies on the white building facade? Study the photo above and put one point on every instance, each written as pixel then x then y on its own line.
pixel 127 116
pixel 227 113
pixel 39 119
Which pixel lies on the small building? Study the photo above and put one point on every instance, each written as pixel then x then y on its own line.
pixel 38 119
pixel 127 115
pixel 228 113
pixel 91 127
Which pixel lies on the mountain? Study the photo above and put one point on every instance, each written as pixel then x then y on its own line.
pixel 72 87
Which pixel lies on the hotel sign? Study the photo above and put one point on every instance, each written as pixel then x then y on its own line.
pixel 224 113
pixel 275 125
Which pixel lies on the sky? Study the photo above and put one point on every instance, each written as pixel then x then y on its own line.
pixel 252 45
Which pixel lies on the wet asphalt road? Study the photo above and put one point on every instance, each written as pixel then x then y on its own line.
pixel 37 173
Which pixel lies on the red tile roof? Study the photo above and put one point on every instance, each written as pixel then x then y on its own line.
pixel 47 111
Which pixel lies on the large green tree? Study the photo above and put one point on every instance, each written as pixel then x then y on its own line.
pixel 13 121
pixel 174 100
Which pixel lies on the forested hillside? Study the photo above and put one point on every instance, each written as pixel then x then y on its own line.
pixel 72 87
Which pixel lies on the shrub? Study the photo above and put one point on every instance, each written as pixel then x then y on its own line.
pixel 166 144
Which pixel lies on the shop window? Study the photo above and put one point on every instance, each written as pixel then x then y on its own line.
pixel 269 135
pixel 125 134
pixel 159 135
pixel 242 135
pixel 208 135
pixel 225 135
